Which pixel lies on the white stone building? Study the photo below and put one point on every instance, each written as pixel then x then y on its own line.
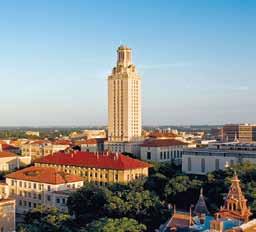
pixel 10 161
pixel 217 156
pixel 162 150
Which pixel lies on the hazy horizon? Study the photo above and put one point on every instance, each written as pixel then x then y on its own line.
pixel 196 60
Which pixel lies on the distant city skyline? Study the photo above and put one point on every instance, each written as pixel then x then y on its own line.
pixel 196 60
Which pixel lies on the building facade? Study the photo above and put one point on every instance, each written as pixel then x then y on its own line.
pixel 7 210
pixel 217 156
pixel 40 148
pixel 100 168
pixel 34 186
pixel 124 99
pixel 10 161
pixel 92 145
pixel 230 132
pixel 163 150
pixel 7 215
pixel 247 133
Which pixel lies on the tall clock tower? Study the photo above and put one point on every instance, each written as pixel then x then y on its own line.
pixel 124 99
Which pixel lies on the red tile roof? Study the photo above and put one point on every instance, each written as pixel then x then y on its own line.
pixel 157 134
pixel 162 143
pixel 44 175
pixel 8 147
pixel 62 142
pixel 90 141
pixel 5 154
pixel 93 160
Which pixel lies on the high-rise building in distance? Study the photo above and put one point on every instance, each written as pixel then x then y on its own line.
pixel 124 99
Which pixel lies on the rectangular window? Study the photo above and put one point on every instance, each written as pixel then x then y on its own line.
pixel 203 165
pixel 148 155
pixel 217 164
pixel 189 164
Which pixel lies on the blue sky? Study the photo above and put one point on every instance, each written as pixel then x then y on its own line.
pixel 197 60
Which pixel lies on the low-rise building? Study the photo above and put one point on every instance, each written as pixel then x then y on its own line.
pixel 7 210
pixel 7 215
pixel 92 145
pixel 10 161
pixel 33 133
pixel 34 186
pixel 217 156
pixel 132 147
pixel 41 148
pixel 101 168
pixel 162 150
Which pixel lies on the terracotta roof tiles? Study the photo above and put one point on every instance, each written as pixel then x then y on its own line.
pixel 93 160
pixel 44 175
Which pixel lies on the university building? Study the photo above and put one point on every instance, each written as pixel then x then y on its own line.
pixel 100 168
pixel 7 210
pixel 39 148
pixel 35 186
pixel 217 156
pixel 163 150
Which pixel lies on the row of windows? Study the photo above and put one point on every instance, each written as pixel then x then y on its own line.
pixel 167 155
pixel 28 204
pixel 30 185
pixel 217 164
pixel 29 195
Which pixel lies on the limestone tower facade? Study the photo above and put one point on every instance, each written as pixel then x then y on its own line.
pixel 124 99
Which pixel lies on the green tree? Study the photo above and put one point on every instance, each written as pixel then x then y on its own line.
pixel 117 225
pixel 87 203
pixel 43 219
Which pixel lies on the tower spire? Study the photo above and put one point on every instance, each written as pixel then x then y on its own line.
pixel 201 208
pixel 235 206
